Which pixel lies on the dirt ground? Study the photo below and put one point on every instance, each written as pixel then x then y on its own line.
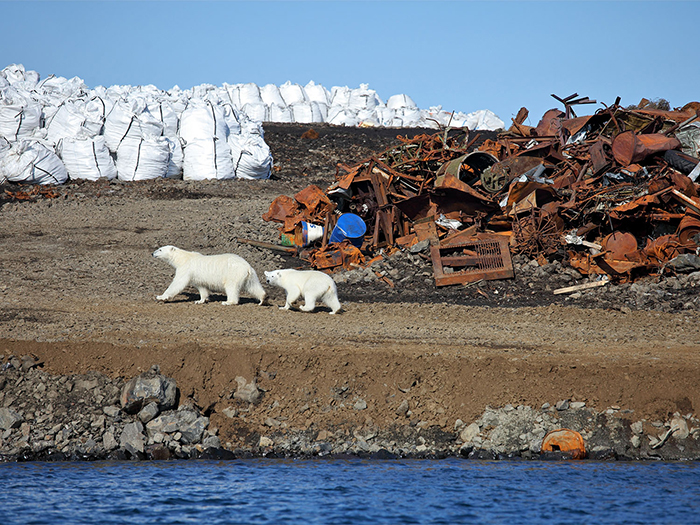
pixel 78 287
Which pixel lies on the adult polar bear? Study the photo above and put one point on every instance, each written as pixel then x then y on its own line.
pixel 226 272
pixel 310 284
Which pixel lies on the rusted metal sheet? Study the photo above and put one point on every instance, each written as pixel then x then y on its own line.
pixel 471 261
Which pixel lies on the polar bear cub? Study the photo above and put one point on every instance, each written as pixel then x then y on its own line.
pixel 226 272
pixel 312 285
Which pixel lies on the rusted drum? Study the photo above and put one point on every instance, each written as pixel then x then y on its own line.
pixel 618 245
pixel 564 440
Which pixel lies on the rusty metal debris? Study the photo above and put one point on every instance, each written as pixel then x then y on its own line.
pixel 32 193
pixel 613 194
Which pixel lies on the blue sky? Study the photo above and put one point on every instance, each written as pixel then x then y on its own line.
pixel 462 55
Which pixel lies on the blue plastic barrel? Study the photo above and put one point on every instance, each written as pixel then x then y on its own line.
pixel 351 227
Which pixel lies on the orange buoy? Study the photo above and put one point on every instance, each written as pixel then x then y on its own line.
pixel 564 440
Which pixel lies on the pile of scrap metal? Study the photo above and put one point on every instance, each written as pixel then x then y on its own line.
pixel 612 193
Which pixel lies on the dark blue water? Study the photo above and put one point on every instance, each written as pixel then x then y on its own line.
pixel 355 491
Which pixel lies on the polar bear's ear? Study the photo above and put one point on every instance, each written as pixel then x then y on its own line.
pixel 268 274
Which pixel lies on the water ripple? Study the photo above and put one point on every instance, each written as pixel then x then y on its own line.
pixel 348 492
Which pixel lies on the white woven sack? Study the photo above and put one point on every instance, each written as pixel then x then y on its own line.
pixel 411 117
pixel 483 119
pixel 233 119
pixel 250 94
pixel 280 113
pixel 177 158
pixel 270 94
pixel 17 75
pixel 163 111
pixel 340 96
pixel 73 116
pixel 19 118
pixel 87 158
pixel 207 159
pixel 4 147
pixel 130 119
pixel 256 112
pixel 400 102
pixel 143 158
pixel 251 157
pixel 203 120
pixel 307 112
pixel 31 162
pixel 342 116
pixel 363 98
pixel 317 93
pixel 293 93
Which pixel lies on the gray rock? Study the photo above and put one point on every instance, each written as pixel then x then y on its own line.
pixel 403 408
pixel 420 246
pixel 360 404
pixel 637 427
pixel 562 405
pixel 148 412
pixel 147 388
pixel 166 423
pixel 211 442
pixel 577 404
pixel 86 384
pixel 9 419
pixel 468 434
pixel 230 412
pixel 245 391
pixel 192 432
pixel 679 426
pixel 111 411
pixel 132 438
pixel 108 441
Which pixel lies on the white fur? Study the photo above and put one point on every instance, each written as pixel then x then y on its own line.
pixel 226 273
pixel 312 285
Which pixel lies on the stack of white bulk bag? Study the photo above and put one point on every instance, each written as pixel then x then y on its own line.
pixel 87 157
pixel 143 158
pixel 31 162
pixel 130 119
pixel 204 131
pixel 20 117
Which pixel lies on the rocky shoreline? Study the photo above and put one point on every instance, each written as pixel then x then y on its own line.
pixel 91 417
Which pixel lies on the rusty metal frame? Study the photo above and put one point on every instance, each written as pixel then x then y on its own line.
pixel 487 259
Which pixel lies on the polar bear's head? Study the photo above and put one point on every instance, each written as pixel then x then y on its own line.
pixel 165 252
pixel 273 277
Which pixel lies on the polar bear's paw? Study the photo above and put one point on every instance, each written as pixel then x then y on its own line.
pixel 162 297
pixel 229 302
pixel 201 301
